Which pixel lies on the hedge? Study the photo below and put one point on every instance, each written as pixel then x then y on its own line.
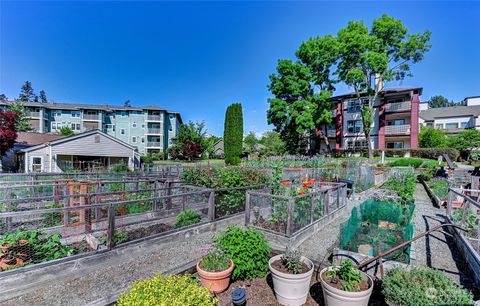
pixel 430 153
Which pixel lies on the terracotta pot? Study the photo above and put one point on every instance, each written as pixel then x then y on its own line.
pixel 291 289
pixel 336 297
pixel 215 281
pixel 4 248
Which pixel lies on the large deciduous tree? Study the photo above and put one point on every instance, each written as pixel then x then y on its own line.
pixel 190 142
pixel 22 123
pixel 361 58
pixel 369 58
pixel 8 134
pixel 432 138
pixel 233 134
pixel 468 143
pixel 273 145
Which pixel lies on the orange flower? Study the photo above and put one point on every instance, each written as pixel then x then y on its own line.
pixel 301 192
pixel 284 183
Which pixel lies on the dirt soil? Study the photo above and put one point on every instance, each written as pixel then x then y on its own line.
pixel 278 265
pixel 147 231
pixel 276 227
pixel 260 293
pixel 338 284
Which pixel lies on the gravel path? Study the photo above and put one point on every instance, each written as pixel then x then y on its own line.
pixel 436 250
pixel 87 285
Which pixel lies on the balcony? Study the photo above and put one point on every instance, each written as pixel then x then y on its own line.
pixel 155 131
pixel 397 129
pixel 33 114
pixel 153 144
pixel 331 133
pixel 90 117
pixel 154 117
pixel 398 107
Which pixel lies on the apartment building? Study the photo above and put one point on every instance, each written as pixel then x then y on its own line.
pixel 453 119
pixel 396 121
pixel 150 129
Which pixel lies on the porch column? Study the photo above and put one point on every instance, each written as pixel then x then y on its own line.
pixel 339 126
pixel 414 120
pixel 381 124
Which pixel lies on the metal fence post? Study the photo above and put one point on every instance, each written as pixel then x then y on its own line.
pixel 312 207
pixel 449 202
pixel 247 208
pixel 111 227
pixel 211 205
pixel 290 217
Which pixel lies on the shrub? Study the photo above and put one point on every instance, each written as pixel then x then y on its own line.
pixel 430 164
pixel 432 138
pixel 233 134
pixel 248 249
pixel 187 217
pixel 171 290
pixel 439 188
pixel 423 286
pixel 152 157
pixel 119 168
pixel 406 162
pixel 425 175
pixel 429 153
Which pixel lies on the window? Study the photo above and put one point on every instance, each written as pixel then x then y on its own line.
pixel 57 125
pixel 143 126
pixel 170 128
pixel 134 139
pixel 111 127
pixel 134 124
pixel 464 125
pixel 122 131
pixel 439 126
pixel 354 126
pixel 75 114
pixel 143 139
pixel 453 125
pixel 172 116
pixel 394 145
pixel 429 125
pixel 57 113
pixel 36 164
pixel 75 126
pixel 354 106
pixel 357 144
pixel 396 122
pixel 97 139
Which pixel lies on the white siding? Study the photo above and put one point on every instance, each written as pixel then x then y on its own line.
pixel 87 146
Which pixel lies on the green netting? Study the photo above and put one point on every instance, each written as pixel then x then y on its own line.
pixel 377 226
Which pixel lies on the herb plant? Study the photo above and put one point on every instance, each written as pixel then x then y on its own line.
pixel 348 274
pixel 248 249
pixel 215 259
pixel 423 286
pixel 187 217
pixel 292 260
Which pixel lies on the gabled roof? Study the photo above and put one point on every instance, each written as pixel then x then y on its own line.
pixel 71 138
pixel 447 112
pixel 32 139
pixel 386 91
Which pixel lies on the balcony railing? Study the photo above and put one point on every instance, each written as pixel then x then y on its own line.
pixel 154 131
pixel 154 117
pixel 153 144
pixel 91 117
pixel 33 114
pixel 397 129
pixel 398 106
pixel 331 133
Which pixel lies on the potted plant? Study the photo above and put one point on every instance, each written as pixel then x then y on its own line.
pixel 291 274
pixel 215 269
pixel 345 285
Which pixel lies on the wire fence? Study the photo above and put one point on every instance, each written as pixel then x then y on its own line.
pixel 78 217
pixel 288 215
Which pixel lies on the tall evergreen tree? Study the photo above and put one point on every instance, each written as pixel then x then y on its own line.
pixel 26 93
pixel 233 134
pixel 22 123
pixel 43 96
pixel 3 97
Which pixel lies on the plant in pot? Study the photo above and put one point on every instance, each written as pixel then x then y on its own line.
pixel 215 269
pixel 345 285
pixel 291 275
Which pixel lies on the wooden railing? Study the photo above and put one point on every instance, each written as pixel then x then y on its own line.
pixel 398 106
pixel 397 129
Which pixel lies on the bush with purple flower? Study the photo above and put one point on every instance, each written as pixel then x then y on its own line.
pixel 214 259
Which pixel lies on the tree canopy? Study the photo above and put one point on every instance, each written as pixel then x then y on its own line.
pixel 432 138
pixel 362 58
pixel 26 92
pixel 22 122
pixel 468 143
pixel 8 134
pixel 190 141
pixel 65 131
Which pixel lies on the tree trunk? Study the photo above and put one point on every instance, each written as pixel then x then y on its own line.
pixel 369 147
pixel 325 137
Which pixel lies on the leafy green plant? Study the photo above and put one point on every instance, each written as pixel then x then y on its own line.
pixel 423 286
pixel 425 175
pixel 404 185
pixel 292 260
pixel 119 237
pixel 119 168
pixel 171 290
pixel 215 259
pixel 406 162
pixel 248 249
pixel 439 188
pixel 348 275
pixel 187 217
pixel 470 220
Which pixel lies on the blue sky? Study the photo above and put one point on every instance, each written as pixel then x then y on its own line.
pixel 197 58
